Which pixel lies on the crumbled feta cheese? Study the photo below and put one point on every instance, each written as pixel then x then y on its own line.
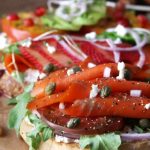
pixel 90 36
pixel 91 65
pixel 121 30
pixel 135 93
pixel 61 106
pixel 94 91
pixel 121 69
pixel 3 41
pixel 31 75
pixel 26 43
pixel 70 72
pixel 51 49
pixel 147 106
pixel 60 139
pixel 42 75
pixel 118 41
pixel 106 73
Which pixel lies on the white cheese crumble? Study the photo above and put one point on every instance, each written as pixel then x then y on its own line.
pixel 61 106
pixel 106 73
pixel 90 36
pixel 42 75
pixel 26 43
pixel 147 106
pixel 3 41
pixel 121 69
pixel 94 91
pixel 31 75
pixel 70 72
pixel 117 41
pixel 121 30
pixel 51 49
pixel 91 65
pixel 135 93
pixel 59 139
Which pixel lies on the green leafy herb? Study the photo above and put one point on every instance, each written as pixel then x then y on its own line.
pixel 47 133
pixel 12 49
pixel 40 132
pixel 17 114
pixel 109 141
pixel 137 129
pixel 94 13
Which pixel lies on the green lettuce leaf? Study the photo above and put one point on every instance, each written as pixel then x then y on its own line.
pixel 95 12
pixel 110 141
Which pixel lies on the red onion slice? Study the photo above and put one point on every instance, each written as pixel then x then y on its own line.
pixel 129 137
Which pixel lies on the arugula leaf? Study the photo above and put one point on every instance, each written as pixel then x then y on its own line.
pixel 47 133
pixel 110 141
pixel 12 49
pixel 40 132
pixel 17 114
pixel 94 13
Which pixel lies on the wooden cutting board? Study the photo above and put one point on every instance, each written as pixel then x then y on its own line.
pixel 9 140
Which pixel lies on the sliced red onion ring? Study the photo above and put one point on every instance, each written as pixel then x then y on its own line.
pixel 129 137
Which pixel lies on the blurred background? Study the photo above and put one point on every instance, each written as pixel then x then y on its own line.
pixel 7 6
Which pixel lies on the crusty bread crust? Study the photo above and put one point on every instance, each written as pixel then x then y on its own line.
pixel 52 145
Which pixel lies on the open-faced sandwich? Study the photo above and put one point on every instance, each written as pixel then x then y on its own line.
pixel 99 99
pixel 82 91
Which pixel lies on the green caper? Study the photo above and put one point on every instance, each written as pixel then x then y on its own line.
pixel 105 91
pixel 50 88
pixel 74 122
pixel 76 69
pixel 144 123
pixel 49 68
pixel 127 74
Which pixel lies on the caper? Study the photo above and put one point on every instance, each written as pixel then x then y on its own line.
pixel 49 68
pixel 76 69
pixel 50 88
pixel 74 122
pixel 127 74
pixel 144 123
pixel 105 91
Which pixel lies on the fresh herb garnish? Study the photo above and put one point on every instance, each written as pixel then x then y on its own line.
pixel 17 113
pixel 12 49
pixel 40 133
pixel 110 141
